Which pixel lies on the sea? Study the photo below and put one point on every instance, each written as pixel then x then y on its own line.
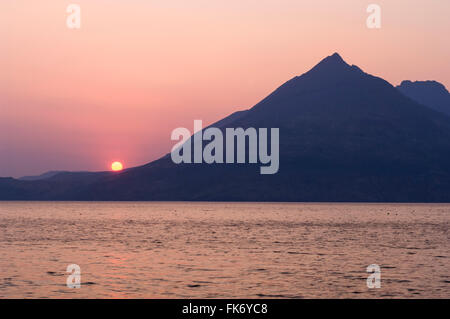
pixel 224 250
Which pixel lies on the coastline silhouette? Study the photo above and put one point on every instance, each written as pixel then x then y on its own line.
pixel 345 136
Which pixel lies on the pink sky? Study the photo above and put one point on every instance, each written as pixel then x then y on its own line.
pixel 116 88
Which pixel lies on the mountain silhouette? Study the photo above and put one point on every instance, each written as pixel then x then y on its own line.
pixel 41 176
pixel 430 93
pixel 345 136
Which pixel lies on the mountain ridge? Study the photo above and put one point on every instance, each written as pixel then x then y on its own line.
pixel 345 135
pixel 430 93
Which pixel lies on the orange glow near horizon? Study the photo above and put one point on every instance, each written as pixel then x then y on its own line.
pixel 116 166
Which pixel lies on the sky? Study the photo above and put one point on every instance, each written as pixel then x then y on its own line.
pixel 113 90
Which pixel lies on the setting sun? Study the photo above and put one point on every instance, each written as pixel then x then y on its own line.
pixel 116 166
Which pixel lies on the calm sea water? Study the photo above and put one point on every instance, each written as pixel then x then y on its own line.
pixel 223 250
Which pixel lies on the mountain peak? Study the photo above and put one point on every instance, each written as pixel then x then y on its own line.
pixel 333 68
pixel 430 93
pixel 335 58
pixel 332 64
pixel 423 84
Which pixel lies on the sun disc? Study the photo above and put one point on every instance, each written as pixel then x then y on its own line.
pixel 116 166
